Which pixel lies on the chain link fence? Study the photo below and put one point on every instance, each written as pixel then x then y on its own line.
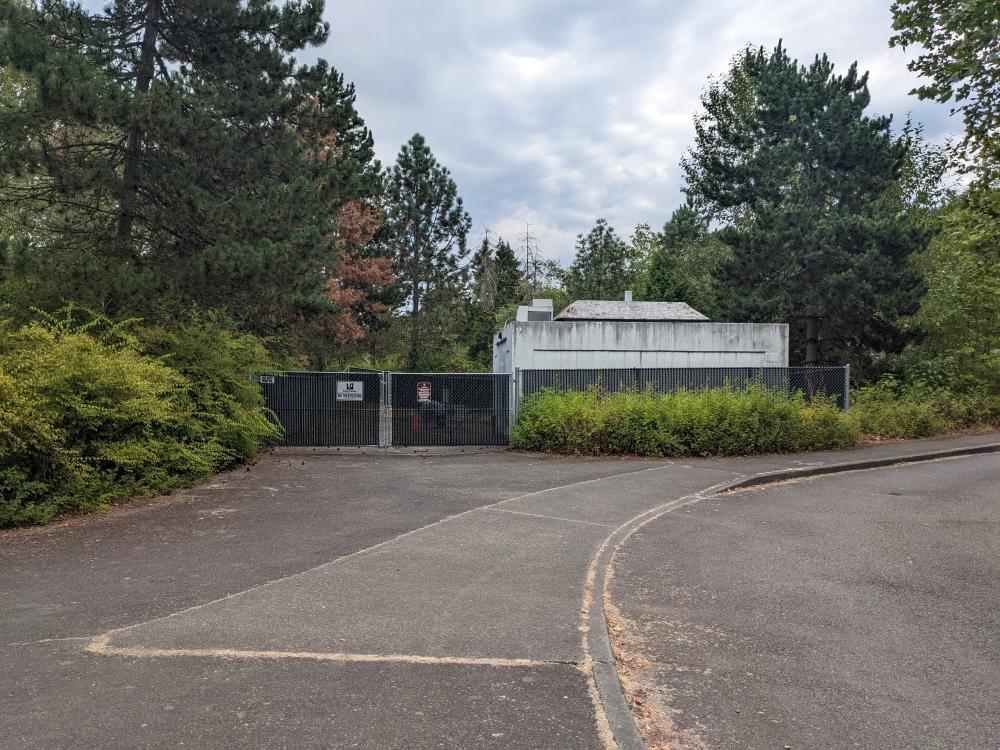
pixel 365 408
pixel 325 408
pixel 831 381
pixel 449 408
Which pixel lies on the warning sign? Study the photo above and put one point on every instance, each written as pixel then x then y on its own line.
pixel 423 392
pixel 350 390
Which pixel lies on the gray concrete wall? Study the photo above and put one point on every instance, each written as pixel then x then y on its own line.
pixel 603 344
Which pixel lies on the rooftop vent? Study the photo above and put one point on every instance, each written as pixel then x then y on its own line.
pixel 539 311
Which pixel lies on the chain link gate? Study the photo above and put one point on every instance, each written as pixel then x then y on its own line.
pixel 340 409
pixel 450 408
pixel 325 408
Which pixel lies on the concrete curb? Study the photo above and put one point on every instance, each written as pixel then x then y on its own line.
pixel 612 696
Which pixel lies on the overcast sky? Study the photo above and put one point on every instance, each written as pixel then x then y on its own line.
pixel 556 112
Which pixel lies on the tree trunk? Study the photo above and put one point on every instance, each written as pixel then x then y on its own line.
pixel 812 340
pixel 128 198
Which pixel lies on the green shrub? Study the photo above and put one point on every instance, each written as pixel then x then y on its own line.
pixel 224 405
pixel 889 410
pixel 90 415
pixel 710 422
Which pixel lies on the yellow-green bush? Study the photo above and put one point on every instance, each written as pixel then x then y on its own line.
pixel 711 422
pixel 90 415
pixel 889 410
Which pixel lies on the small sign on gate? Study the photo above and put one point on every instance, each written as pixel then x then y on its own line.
pixel 267 379
pixel 423 392
pixel 350 390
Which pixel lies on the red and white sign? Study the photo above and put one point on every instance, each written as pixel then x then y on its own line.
pixel 423 392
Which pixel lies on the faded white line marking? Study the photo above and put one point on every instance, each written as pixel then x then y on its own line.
pixel 552 518
pixel 100 645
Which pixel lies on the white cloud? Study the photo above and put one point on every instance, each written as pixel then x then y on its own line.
pixel 556 112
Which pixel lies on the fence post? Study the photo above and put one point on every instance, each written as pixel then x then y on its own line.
pixel 847 387
pixel 515 401
pixel 382 442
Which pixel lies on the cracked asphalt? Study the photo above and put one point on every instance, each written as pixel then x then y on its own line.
pixel 324 599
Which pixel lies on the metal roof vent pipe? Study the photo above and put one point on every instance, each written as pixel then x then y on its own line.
pixel 628 296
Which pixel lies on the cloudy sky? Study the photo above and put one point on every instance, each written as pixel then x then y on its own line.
pixel 555 112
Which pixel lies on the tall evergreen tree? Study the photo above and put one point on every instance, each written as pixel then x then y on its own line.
pixel 804 179
pixel 602 268
pixel 426 227
pixel 510 279
pixel 182 154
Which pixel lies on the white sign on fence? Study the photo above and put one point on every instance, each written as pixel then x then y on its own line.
pixel 350 390
pixel 267 379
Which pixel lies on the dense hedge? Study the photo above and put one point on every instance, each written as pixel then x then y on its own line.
pixel 92 412
pixel 889 410
pixel 711 422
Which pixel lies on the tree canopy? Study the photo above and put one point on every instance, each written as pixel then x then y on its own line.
pixel 602 268
pixel 174 152
pixel 801 177
pixel 959 54
pixel 425 229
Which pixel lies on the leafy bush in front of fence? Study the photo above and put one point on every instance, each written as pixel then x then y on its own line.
pixel 889 410
pixel 89 415
pixel 719 422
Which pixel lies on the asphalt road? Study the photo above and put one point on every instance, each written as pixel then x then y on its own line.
pixel 855 610
pixel 299 534
pixel 334 600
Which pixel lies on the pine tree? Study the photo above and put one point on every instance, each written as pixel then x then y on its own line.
pixel 803 180
pixel 174 144
pixel 602 268
pixel 426 228
pixel 510 280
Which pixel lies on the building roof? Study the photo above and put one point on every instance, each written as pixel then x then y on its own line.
pixel 589 309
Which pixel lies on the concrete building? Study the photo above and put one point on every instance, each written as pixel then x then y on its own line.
pixel 612 334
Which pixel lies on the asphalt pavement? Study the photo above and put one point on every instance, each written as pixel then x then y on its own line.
pixel 853 610
pixel 325 599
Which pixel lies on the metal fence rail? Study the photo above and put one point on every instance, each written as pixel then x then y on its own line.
pixel 449 408
pixel 832 381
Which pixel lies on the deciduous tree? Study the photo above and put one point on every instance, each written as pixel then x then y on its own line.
pixel 960 54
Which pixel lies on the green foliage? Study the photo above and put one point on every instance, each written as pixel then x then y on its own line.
pixel 710 422
pixel 175 151
pixel 425 230
pixel 685 263
pixel 806 185
pixel 889 410
pixel 511 283
pixel 603 266
pixel 959 316
pixel 90 415
pixel 958 43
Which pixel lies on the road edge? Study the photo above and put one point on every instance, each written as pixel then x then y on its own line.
pixel 605 668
